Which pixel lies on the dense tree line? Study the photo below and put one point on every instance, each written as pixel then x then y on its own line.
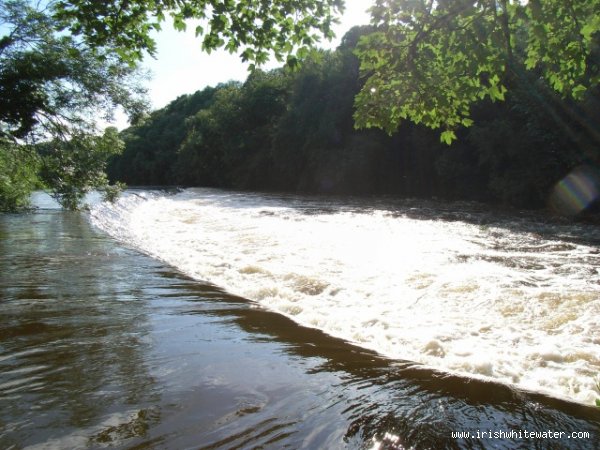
pixel 294 131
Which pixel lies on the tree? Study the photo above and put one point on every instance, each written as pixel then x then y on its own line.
pixel 430 61
pixel 53 86
pixel 65 63
pixel 18 175
pixel 52 83
pixel 74 167
pixel 151 145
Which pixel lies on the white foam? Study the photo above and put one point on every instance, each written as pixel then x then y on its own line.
pixel 479 301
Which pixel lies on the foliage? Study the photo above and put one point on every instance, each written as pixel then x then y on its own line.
pixel 18 168
pixel 74 167
pixel 294 131
pixel 250 27
pixel 437 64
pixel 226 140
pixel 51 83
pixel 149 153
pixel 65 64
pixel 213 134
pixel 430 62
pixel 53 88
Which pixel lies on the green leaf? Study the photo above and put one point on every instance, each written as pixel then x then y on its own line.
pixel 578 92
pixel 447 137
pixel 467 122
pixel 178 24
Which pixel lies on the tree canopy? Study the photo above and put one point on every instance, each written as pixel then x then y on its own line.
pixel 430 61
pixel 53 89
pixel 254 28
pixel 51 82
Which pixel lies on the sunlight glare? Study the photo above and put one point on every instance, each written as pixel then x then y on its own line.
pixel 577 191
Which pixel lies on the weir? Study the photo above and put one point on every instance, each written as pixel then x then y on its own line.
pixel 101 345
pixel 467 292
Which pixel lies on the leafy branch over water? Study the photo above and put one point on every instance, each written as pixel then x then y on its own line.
pixel 432 62
pixel 53 88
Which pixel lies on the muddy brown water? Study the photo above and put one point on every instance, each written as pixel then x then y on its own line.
pixel 104 347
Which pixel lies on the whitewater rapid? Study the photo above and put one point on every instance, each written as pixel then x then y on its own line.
pixel 472 297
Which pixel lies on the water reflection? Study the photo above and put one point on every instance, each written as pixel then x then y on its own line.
pixel 101 346
pixel 70 348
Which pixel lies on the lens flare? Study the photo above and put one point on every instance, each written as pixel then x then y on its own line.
pixel 577 191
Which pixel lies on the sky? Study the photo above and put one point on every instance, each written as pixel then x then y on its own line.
pixel 181 67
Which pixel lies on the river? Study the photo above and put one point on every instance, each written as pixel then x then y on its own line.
pixel 214 319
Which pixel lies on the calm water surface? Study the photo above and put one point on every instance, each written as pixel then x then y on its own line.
pixel 102 346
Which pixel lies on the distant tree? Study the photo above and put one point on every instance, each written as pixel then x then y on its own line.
pixel 151 145
pixel 430 61
pixel 294 131
pixel 228 143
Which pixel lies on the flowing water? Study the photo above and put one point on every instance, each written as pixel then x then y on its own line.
pixel 234 320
